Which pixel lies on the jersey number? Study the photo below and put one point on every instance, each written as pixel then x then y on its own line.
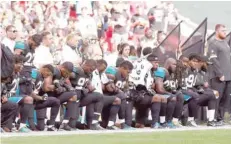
pixel 29 58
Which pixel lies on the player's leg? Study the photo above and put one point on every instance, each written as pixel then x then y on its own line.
pixel 178 109
pixel 94 103
pixel 70 116
pixel 110 111
pixel 54 103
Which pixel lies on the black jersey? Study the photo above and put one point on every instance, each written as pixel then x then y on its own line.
pixel 79 78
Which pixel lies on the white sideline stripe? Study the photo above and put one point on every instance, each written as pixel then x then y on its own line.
pixel 86 132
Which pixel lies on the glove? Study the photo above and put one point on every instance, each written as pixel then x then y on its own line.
pixel 69 87
pixel 90 87
pixel 200 91
pixel 56 83
pixel 45 97
pixel 24 80
pixel 60 90
pixel 110 87
pixel 116 90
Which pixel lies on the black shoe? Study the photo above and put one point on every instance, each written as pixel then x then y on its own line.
pixel 220 123
pixel 52 128
pixel 65 127
pixel 163 125
pixel 112 128
pixel 96 127
pixel 212 123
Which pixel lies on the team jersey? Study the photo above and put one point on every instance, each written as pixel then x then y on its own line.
pixel 190 79
pixel 170 83
pixel 37 81
pixel 141 68
pixel 79 78
pixel 99 79
pixel 13 86
pixel 28 53
pixel 118 79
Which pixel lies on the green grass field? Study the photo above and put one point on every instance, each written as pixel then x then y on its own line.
pixel 174 137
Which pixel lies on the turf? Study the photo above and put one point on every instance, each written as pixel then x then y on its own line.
pixel 175 137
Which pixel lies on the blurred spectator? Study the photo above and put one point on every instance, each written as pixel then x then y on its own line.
pixel 86 24
pixel 9 39
pixel 148 40
pixel 139 24
pixel 70 50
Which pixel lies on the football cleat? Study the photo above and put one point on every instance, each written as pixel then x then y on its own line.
pixel 171 125
pixel 212 123
pixel 24 129
pixel 126 127
pixel 177 124
pixel 156 125
pixel 112 128
pixel 66 127
pixel 51 128
pixel 96 127
pixel 192 123
pixel 164 125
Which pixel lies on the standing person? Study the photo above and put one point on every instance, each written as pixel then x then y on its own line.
pixel 220 70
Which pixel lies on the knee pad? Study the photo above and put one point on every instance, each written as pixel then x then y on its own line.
pixel 156 98
pixel 117 101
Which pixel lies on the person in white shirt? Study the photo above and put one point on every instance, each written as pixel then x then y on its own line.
pixel 69 51
pixel 9 40
pixel 111 103
pixel 86 24
pixel 43 55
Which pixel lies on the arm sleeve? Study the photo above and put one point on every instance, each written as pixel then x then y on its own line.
pixel 213 52
pixel 160 72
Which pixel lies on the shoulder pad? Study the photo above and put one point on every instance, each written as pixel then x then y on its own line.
pixel 160 72
pixel 78 70
pixel 111 70
pixel 19 45
pixel 34 73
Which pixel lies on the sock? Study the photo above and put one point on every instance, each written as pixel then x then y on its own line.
pixel 96 116
pixel 190 118
pixel 24 112
pixel 113 112
pixel 175 119
pixel 162 119
pixel 65 121
pixel 170 110
pixel 94 121
pixel 163 109
pixel 155 110
pixel 211 114
pixel 110 123
pixel 22 125
pixel 122 121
